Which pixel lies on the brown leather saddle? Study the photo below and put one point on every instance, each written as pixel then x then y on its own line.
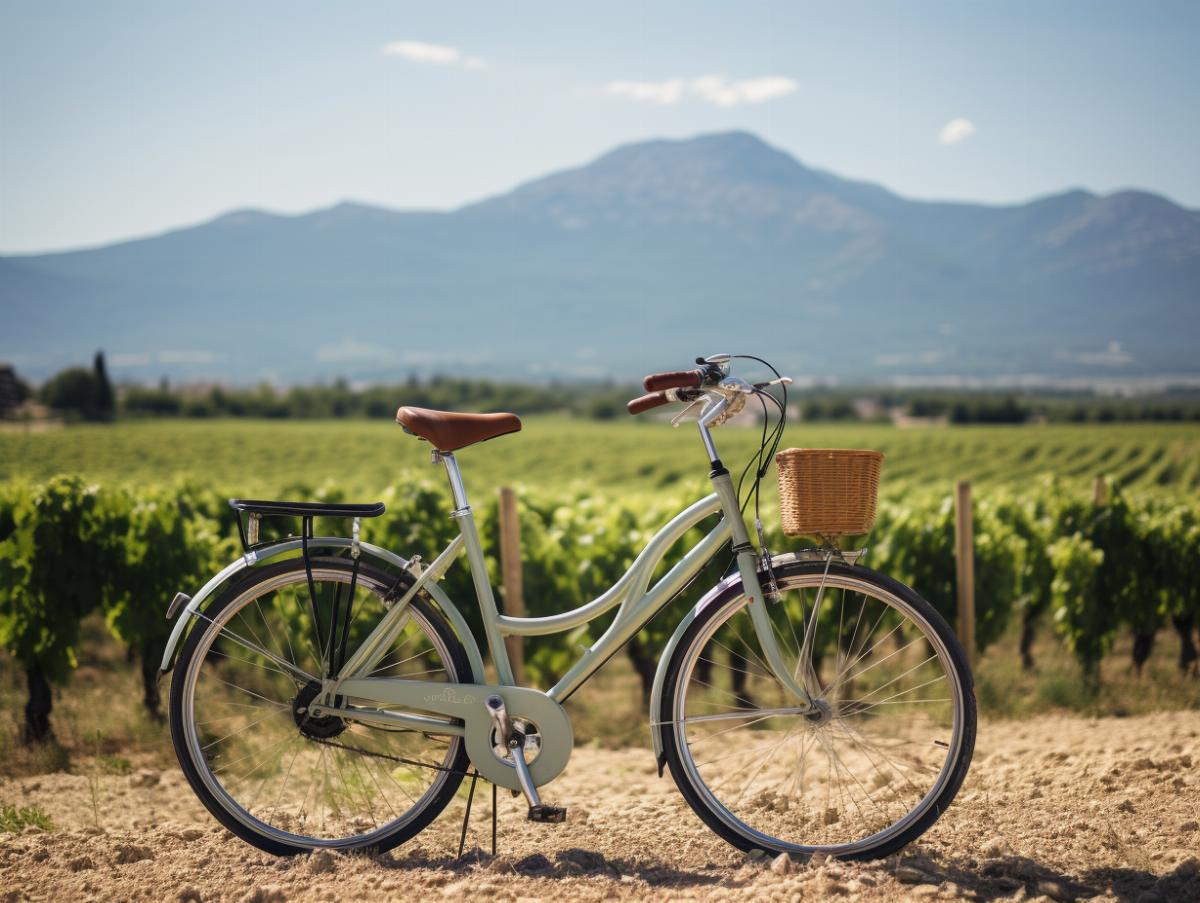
pixel 448 431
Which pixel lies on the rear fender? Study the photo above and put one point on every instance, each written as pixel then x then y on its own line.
pixel 258 556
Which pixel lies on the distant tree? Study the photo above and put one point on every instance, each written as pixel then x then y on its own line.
pixel 153 402
pixel 841 410
pixel 927 407
pixel 604 409
pixel 198 407
pixel 13 390
pixel 72 391
pixel 106 400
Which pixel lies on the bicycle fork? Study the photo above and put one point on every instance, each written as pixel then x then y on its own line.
pixel 747 563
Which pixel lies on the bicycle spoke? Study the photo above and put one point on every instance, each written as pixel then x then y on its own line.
pixel 314 777
pixel 287 666
pixel 849 769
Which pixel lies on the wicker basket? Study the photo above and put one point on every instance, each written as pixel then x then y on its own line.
pixel 828 492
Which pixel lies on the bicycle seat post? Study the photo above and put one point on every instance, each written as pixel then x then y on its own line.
pixel 483 588
pixel 457 490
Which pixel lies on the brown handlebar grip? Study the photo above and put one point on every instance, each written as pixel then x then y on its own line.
pixel 647 402
pixel 678 379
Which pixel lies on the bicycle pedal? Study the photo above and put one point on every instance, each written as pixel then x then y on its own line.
pixel 554 815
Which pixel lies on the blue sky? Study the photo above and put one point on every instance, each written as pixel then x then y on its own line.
pixel 123 119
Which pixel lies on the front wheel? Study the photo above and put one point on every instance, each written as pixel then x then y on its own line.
pixel 870 769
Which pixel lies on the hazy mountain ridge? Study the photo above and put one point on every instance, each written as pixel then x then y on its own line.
pixel 651 253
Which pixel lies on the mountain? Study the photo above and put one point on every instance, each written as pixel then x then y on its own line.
pixel 643 258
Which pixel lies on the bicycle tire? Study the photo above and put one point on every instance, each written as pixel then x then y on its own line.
pixel 419 820
pixel 686 779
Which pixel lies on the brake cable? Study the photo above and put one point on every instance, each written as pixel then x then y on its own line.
pixel 768 446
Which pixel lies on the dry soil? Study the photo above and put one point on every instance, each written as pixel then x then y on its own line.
pixel 1055 808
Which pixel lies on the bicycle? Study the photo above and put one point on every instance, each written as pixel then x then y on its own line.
pixel 329 694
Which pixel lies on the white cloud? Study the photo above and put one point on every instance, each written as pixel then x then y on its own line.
pixel 420 52
pixel 433 54
pixel 664 92
pixel 714 89
pixel 956 130
pixel 758 90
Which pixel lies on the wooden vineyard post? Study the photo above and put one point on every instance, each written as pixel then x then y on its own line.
pixel 1100 492
pixel 510 570
pixel 964 556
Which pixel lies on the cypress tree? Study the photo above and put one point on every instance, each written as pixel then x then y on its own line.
pixel 106 402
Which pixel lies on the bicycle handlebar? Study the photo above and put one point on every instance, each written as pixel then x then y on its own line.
pixel 676 379
pixel 648 402
pixel 685 385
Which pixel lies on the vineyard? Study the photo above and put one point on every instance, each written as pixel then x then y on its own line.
pixel 271 458
pixel 1048 559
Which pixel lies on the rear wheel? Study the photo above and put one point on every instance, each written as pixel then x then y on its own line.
pixel 278 778
pixel 865 774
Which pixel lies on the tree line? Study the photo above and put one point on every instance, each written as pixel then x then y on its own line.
pixel 88 394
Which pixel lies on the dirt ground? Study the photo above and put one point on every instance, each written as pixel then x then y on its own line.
pixel 1054 808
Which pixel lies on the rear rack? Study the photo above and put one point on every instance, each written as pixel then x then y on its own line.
pixel 308 509
pixel 331 640
pixel 256 509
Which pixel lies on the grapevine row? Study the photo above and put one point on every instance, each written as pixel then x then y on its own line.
pixel 68 549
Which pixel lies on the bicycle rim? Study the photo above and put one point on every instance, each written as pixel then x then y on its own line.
pixel 308 783
pixel 865 771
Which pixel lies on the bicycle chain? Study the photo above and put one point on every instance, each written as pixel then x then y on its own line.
pixel 388 757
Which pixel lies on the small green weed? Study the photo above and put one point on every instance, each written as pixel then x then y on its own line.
pixel 13 820
pixel 114 765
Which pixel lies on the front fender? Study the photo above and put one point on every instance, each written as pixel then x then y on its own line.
pixel 258 556
pixel 718 595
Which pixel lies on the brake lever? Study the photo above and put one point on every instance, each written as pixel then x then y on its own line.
pixel 678 418
pixel 781 381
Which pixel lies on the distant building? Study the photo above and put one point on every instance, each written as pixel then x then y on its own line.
pixel 868 409
pixel 10 391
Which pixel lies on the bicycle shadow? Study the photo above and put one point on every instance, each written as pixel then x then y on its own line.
pixel 1004 875
pixel 991 879
pixel 573 862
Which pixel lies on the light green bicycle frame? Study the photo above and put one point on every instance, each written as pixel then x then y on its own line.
pixel 457 709
pixel 638 603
